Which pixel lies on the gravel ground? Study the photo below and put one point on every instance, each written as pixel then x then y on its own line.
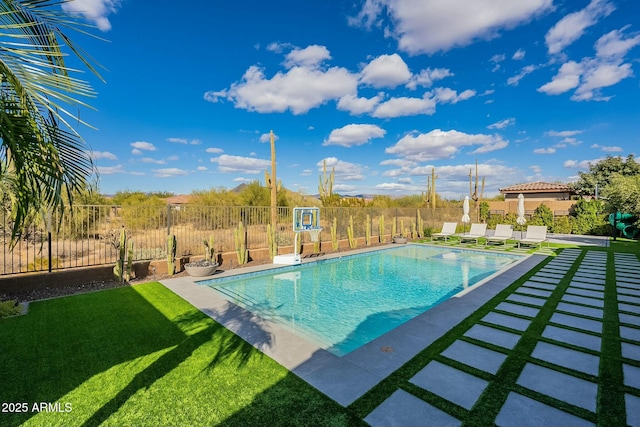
pixel 47 293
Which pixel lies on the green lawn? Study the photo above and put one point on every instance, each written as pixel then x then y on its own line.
pixel 140 356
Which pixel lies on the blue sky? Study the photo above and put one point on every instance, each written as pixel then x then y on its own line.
pixel 384 90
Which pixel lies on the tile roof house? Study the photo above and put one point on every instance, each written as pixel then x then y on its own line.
pixel 538 191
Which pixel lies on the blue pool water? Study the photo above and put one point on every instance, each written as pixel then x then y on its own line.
pixel 343 303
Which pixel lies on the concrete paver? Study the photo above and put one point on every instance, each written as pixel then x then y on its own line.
pixel 507 321
pixel 403 409
pixel 631 375
pixel 568 358
pixel 534 292
pixel 631 351
pixel 520 411
pixel 630 333
pixel 452 384
pixel 629 319
pixel 592 302
pixel 580 309
pixel 518 309
pixel 493 336
pixel 475 356
pixel 633 409
pixel 577 322
pixel 579 339
pixel 527 299
pixel 566 388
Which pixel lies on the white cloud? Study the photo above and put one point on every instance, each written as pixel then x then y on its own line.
pixel 449 96
pixel 404 106
pixel 184 141
pixel 357 106
pixel 583 164
pixel 405 180
pixel 110 170
pixel 354 134
pixel 95 11
pixel 518 55
pixel 568 78
pixel 385 71
pixel 227 164
pixel 214 150
pixel 615 45
pixel 202 168
pixel 563 133
pixel 391 186
pixel 398 162
pixel 97 155
pixel 439 25
pixel 607 149
pixel 266 137
pixel 502 123
pixel 439 144
pixel 155 161
pixel 309 57
pixel 426 77
pixel 497 58
pixel 549 150
pixel 592 74
pixel 513 81
pixel 571 27
pixel 344 171
pixel 299 89
pixel 168 172
pixel 142 146
pixel 599 75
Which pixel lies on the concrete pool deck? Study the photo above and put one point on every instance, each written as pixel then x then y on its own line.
pixel 577 320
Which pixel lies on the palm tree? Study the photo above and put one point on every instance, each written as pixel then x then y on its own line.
pixel 42 156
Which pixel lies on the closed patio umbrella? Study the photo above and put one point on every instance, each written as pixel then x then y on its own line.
pixel 520 211
pixel 465 211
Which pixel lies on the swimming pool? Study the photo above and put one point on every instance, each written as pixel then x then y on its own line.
pixel 343 303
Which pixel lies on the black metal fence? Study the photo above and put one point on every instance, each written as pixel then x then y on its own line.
pixel 90 235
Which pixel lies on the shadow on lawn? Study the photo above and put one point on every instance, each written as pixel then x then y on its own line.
pixel 229 348
pixel 63 343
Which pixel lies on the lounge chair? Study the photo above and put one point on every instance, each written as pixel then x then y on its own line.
pixel 476 231
pixel 448 230
pixel 502 234
pixel 535 235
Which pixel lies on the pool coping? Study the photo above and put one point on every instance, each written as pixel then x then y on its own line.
pixel 346 378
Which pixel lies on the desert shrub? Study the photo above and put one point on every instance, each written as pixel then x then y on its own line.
pixel 561 225
pixel 9 308
pixel 588 219
pixel 542 216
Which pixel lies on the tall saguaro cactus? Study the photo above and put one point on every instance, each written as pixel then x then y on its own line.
pixel 272 183
pixel 118 269
pixel 171 254
pixel 325 188
pixel 350 234
pixel 334 234
pixel 240 237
